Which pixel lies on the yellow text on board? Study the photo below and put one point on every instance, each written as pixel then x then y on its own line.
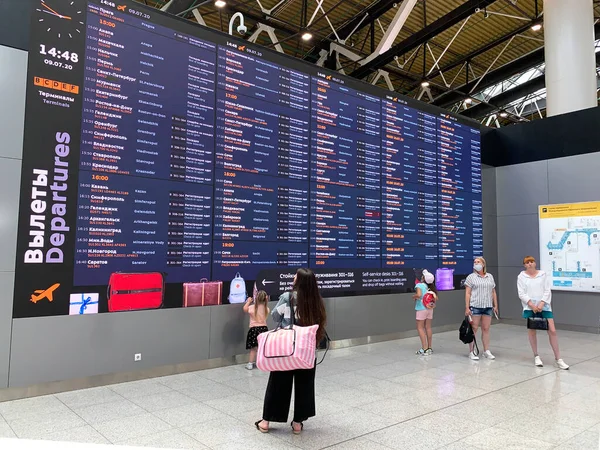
pixel 570 210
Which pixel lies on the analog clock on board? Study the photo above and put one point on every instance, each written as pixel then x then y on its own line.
pixel 62 18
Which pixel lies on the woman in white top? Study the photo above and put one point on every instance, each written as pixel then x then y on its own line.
pixel 481 301
pixel 535 291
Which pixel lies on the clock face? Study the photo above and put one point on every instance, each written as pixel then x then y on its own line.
pixel 62 18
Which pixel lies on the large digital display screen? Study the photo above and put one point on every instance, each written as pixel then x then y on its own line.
pixel 157 149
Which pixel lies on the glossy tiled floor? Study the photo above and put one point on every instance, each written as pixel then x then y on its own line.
pixel 373 397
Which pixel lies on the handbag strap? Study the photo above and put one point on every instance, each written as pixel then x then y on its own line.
pixel 475 346
pixel 292 310
pixel 292 313
pixel 326 348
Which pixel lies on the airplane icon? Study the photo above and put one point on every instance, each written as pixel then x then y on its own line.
pixel 122 8
pixel 41 294
pixel 242 48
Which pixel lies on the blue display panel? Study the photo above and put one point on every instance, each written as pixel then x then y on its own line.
pixel 266 209
pixel 248 258
pixel 333 175
pixel 149 103
pixel 153 226
pixel 346 136
pixel 345 227
pixel 262 116
pixel 261 192
pixel 345 191
pixel 160 146
pixel 461 214
pixel 460 156
pixel 145 199
pixel 410 177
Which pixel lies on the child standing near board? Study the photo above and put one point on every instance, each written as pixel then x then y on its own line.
pixel 424 310
pixel 258 311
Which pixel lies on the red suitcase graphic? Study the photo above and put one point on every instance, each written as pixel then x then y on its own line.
pixel 205 293
pixel 135 291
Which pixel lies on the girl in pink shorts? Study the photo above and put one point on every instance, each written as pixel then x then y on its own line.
pixel 425 312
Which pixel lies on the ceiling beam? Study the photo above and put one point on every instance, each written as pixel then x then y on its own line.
pixel 372 13
pixel 177 6
pixel 532 109
pixel 506 97
pixel 496 76
pixel 394 28
pixel 501 100
pixel 481 50
pixel 422 36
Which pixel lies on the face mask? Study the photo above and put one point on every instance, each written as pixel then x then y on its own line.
pixel 478 267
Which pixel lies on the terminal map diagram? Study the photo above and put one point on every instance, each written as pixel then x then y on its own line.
pixel 570 245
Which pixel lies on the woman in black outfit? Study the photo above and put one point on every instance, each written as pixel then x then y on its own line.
pixel 309 310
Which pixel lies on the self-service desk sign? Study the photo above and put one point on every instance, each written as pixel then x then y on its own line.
pixel 331 281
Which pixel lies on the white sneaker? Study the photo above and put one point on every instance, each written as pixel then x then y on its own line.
pixel 562 365
pixel 538 361
pixel 473 357
pixel 250 366
pixel 488 355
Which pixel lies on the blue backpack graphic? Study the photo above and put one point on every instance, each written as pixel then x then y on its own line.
pixel 237 290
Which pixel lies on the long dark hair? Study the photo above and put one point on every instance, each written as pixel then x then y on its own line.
pixel 308 301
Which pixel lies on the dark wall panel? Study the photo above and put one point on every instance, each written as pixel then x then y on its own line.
pixel 570 134
pixel 14 23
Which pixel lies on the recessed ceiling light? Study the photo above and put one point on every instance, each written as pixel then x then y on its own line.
pixel 425 84
pixel 307 36
pixel 537 27
pixel 220 3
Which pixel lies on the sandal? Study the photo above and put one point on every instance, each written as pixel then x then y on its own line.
pixel 297 431
pixel 259 428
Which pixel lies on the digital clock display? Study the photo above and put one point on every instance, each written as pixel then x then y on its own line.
pixel 55 53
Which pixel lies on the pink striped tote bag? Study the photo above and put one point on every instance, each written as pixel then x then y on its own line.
pixel 287 348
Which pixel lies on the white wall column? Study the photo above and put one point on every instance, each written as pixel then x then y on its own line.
pixel 570 58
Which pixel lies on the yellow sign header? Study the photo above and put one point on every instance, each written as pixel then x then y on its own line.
pixel 569 210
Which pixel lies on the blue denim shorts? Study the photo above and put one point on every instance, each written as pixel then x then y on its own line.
pixel 482 311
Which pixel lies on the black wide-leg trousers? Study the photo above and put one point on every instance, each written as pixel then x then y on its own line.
pixel 279 395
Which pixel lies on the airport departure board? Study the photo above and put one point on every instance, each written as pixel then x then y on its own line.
pixel 153 145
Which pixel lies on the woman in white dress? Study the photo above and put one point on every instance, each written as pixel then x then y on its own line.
pixel 535 291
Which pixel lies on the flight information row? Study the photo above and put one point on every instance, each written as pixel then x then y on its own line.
pixel 121 227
